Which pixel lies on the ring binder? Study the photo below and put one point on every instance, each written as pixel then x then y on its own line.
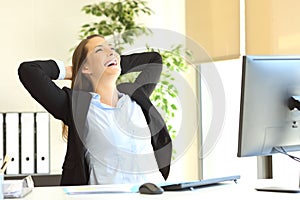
pixel 42 143
pixel 27 143
pixel 12 142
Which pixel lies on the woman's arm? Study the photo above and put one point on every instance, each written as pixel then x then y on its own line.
pixel 37 76
pixel 150 66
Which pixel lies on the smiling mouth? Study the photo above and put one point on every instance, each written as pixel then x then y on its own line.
pixel 111 63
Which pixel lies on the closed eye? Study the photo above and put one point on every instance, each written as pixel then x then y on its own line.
pixel 112 47
pixel 98 50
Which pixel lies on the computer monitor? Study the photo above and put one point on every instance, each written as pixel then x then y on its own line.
pixel 269 118
pixel 266 121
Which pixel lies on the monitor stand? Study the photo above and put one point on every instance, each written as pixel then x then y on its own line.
pixel 279 189
pixel 265 173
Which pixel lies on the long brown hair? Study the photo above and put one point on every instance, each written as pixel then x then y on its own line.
pixel 78 58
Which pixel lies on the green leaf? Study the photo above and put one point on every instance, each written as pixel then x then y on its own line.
pixel 173 106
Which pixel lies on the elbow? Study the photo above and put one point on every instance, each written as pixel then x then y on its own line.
pixel 24 67
pixel 22 70
pixel 156 58
pixel 25 71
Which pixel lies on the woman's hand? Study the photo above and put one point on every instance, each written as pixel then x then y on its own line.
pixel 68 72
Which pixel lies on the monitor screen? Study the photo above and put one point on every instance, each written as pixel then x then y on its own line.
pixel 266 121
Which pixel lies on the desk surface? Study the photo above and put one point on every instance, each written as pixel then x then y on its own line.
pixel 230 191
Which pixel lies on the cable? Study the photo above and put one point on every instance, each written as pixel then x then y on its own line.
pixel 283 151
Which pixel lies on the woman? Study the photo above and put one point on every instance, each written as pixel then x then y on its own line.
pixel 103 121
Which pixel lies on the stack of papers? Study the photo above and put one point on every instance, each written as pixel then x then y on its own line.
pixel 17 188
pixel 98 189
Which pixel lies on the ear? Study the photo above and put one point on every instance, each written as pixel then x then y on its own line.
pixel 86 70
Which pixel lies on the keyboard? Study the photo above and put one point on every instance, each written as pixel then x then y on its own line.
pixel 190 185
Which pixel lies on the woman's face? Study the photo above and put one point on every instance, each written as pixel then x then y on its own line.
pixel 102 60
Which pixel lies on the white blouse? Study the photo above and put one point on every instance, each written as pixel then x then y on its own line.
pixel 118 144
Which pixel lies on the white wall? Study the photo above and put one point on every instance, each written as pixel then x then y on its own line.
pixel 166 18
pixel 222 160
pixel 42 29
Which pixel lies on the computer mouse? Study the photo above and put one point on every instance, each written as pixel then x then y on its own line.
pixel 150 188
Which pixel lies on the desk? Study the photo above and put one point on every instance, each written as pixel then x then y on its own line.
pixel 230 191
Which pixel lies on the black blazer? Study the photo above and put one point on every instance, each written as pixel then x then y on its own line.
pixel 71 106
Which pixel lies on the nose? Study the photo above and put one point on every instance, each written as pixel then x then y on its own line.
pixel 109 52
